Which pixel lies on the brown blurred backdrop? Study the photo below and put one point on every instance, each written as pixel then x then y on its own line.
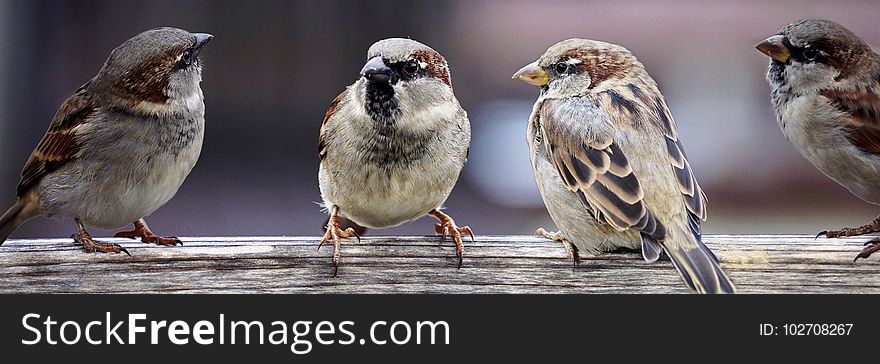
pixel 274 66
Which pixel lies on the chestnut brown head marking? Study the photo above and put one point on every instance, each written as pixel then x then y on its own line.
pixel 139 69
pixel 591 61
pixel 403 50
pixel 600 64
pixel 435 64
pixel 824 41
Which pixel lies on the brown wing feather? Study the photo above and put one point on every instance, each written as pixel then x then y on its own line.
pixel 694 198
pixel 330 111
pixel 601 176
pixel 862 102
pixel 617 197
pixel 59 144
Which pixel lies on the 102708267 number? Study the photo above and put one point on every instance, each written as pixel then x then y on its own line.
pixel 806 329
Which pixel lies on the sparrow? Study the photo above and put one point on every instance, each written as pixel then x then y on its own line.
pixel 609 162
pixel 122 144
pixel 825 90
pixel 392 145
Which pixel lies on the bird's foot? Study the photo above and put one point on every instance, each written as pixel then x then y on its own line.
pixel 871 227
pixel 447 227
pixel 90 245
pixel 334 232
pixel 871 247
pixel 572 250
pixel 141 230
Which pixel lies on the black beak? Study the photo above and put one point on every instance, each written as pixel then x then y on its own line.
pixel 375 71
pixel 201 40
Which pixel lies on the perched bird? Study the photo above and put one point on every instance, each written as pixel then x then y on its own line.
pixel 609 163
pixel 392 144
pixel 122 144
pixel 825 89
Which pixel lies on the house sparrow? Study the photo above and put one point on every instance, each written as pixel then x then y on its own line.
pixel 122 144
pixel 609 163
pixel 825 89
pixel 392 144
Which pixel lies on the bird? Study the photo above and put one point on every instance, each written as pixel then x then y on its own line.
pixel 392 145
pixel 825 91
pixel 121 145
pixel 609 163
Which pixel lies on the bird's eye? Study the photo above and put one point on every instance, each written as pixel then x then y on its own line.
pixel 562 67
pixel 810 54
pixel 185 58
pixel 411 67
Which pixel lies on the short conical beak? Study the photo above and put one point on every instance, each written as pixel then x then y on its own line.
pixel 774 48
pixel 532 74
pixel 202 39
pixel 375 71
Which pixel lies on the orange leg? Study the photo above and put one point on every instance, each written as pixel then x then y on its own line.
pixel 871 227
pixel 141 230
pixel 335 232
pixel 83 238
pixel 572 250
pixel 447 227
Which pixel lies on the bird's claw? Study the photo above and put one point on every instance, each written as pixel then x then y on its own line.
pixel 448 228
pixel 572 250
pixel 833 234
pixel 871 247
pixel 871 227
pixel 160 240
pixel 141 230
pixel 335 233
pixel 92 246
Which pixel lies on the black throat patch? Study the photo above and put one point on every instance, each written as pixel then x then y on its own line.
pixel 381 106
pixel 390 147
pixel 780 93
pixel 775 73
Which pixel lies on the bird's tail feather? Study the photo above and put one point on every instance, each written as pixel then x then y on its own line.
pixel 23 210
pixel 697 264
pixel 651 249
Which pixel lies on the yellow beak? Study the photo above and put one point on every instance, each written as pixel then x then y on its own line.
pixel 774 48
pixel 532 74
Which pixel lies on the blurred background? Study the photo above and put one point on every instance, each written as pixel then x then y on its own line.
pixel 274 67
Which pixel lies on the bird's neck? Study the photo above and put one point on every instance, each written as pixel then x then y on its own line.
pixel 381 105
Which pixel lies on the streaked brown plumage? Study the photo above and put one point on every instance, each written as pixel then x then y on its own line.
pixel 122 144
pixel 609 163
pixel 825 89
pixel 392 145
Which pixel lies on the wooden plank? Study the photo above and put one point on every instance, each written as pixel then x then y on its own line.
pixel 419 264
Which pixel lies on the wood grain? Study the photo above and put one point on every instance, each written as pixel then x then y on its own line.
pixel 419 264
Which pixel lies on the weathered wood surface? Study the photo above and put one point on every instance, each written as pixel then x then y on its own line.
pixel 492 264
